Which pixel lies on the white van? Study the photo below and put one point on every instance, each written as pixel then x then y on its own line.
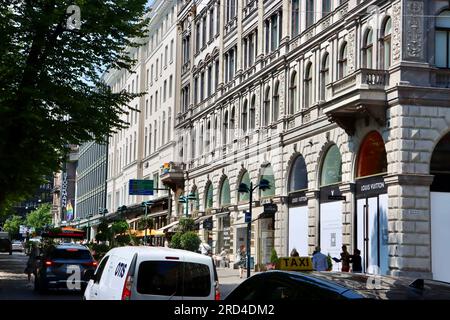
pixel 153 273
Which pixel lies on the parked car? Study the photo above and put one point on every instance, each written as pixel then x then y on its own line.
pixel 64 267
pixel 17 245
pixel 153 273
pixel 293 285
pixel 5 242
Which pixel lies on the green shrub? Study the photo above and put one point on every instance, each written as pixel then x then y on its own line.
pixel 190 241
pixel 186 224
pixel 175 242
pixel 274 256
pixel 120 226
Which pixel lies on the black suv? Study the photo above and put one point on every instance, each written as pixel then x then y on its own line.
pixel 5 245
pixel 65 266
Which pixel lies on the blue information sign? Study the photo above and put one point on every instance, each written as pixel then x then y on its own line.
pixel 140 188
pixel 248 217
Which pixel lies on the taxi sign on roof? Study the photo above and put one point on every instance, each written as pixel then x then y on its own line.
pixel 295 264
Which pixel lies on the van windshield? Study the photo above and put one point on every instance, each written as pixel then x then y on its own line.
pixel 165 278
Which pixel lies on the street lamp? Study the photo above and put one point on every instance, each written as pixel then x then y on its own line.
pixel 243 188
pixel 184 199
pixel 145 204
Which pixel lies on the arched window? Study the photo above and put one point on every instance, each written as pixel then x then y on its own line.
pixel 293 93
pixel 298 177
pixel 367 49
pixel 225 197
pixel 386 44
pixel 225 128
pixel 266 113
pixel 440 165
pixel 276 101
pixel 242 197
pixel 194 204
pixel 244 116
pixel 253 113
pixel 372 156
pixel 267 174
pixel 331 167
pixel 201 140
pixel 307 84
pixel 442 42
pixel 324 76
pixel 209 200
pixel 342 62
pixel 193 143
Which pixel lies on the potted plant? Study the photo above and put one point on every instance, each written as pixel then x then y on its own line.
pixel 330 263
pixel 273 260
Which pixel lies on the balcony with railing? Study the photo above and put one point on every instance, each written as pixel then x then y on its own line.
pixel 172 175
pixel 360 94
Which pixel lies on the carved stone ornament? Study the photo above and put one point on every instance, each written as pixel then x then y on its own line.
pixel 414 31
pixel 351 52
pixel 396 33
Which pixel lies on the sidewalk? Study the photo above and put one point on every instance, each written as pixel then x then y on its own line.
pixel 231 276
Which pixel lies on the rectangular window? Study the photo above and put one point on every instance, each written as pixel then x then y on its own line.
pixel 202 86
pixel 204 31
pixel 216 77
pixel 211 24
pixel 196 90
pixel 166 53
pixel 197 37
pixel 209 81
pixel 156 75
pixel 174 278
pixel 274 33
pixel 309 12
pixel 165 90
pixel 171 51
pixel 147 80
pixel 295 17
pixel 267 28
pixel 170 86
pixel 441 49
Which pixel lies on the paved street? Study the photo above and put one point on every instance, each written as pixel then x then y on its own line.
pixel 14 284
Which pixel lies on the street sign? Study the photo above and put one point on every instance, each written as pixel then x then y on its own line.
pixel 270 208
pixel 140 188
pixel 248 217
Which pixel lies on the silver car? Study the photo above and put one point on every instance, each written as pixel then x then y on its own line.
pixel 17 245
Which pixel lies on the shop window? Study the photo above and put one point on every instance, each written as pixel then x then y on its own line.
pixel 267 174
pixel 243 196
pixel 332 167
pixel 225 197
pixel 298 178
pixel 372 156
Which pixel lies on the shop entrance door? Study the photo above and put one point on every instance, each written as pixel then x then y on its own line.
pixel 372 224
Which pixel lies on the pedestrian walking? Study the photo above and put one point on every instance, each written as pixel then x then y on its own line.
pixel 320 261
pixel 242 256
pixel 32 261
pixel 294 253
pixel 356 261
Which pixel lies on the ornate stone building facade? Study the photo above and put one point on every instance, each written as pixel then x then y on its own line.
pixel 343 106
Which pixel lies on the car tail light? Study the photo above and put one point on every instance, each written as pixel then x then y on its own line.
pixel 91 264
pixel 217 296
pixel 126 292
pixel 49 263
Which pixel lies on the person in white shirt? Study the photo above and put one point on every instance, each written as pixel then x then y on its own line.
pixel 320 261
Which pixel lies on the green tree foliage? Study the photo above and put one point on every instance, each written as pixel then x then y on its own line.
pixel 186 238
pixel 52 89
pixel 274 256
pixel 12 225
pixel 40 217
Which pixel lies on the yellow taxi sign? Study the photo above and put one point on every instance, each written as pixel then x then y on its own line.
pixel 295 264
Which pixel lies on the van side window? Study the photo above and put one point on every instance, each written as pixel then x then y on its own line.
pixel 100 269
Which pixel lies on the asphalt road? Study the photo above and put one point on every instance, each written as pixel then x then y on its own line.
pixel 14 284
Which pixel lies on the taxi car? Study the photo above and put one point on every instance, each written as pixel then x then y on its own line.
pixel 304 284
